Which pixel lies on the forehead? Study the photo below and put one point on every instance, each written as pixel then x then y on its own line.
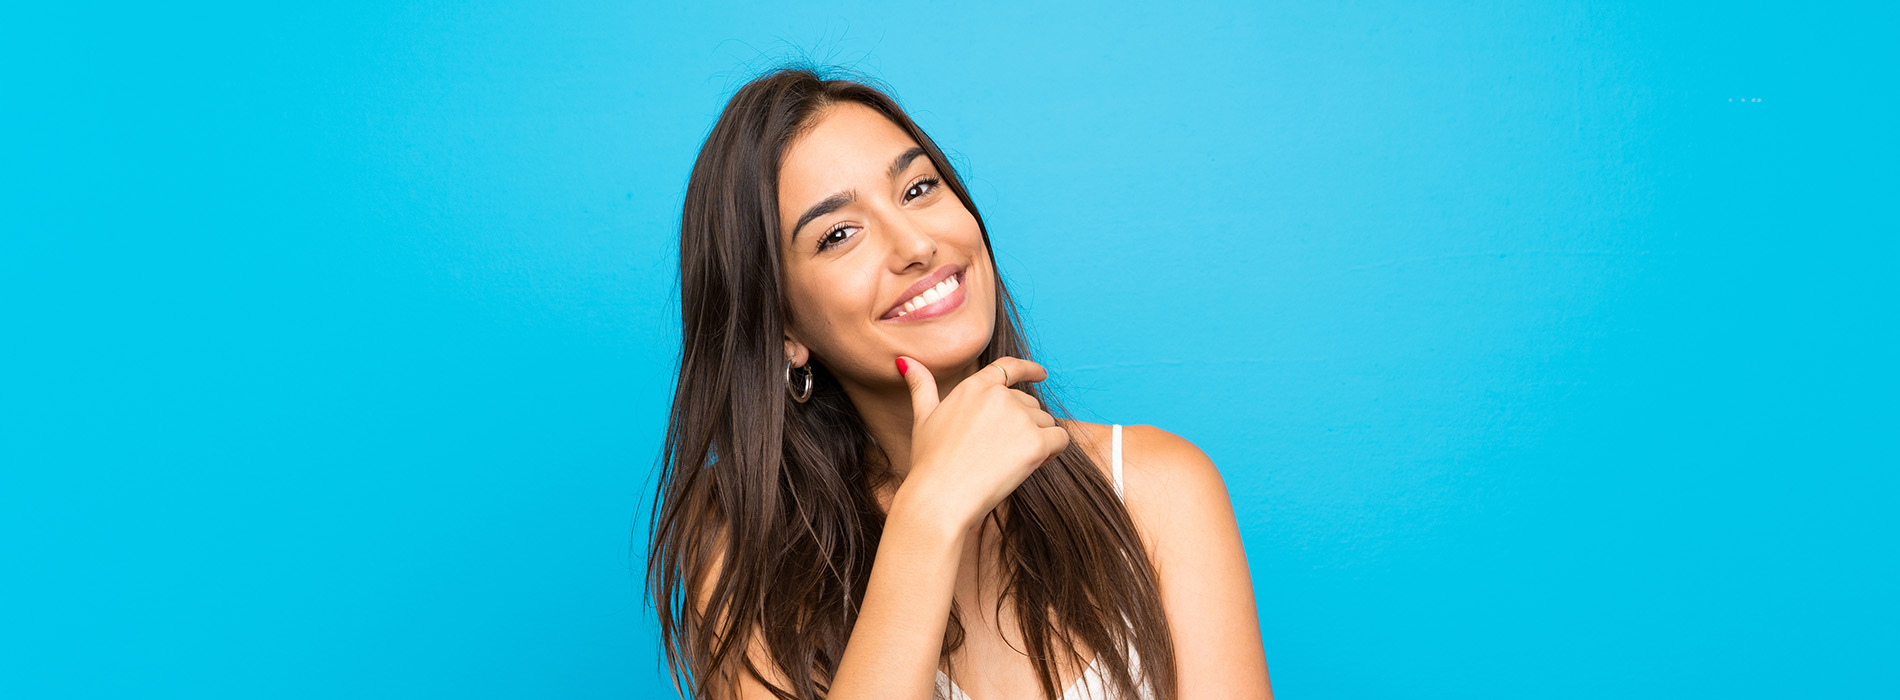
pixel 849 147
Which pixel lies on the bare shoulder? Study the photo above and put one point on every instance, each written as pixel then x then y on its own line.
pixel 1179 500
pixel 1164 477
pixel 1166 458
pixel 1173 487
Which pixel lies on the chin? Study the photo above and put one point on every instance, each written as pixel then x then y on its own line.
pixel 964 347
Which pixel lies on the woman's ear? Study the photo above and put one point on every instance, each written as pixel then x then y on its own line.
pixel 796 352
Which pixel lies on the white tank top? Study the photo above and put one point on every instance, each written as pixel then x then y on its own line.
pixel 1090 685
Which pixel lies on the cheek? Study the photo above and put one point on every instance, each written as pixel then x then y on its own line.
pixel 957 227
pixel 826 300
pixel 960 223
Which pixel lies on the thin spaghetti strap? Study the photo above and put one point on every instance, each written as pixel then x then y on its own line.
pixel 1115 459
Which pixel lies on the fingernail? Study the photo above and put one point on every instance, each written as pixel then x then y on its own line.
pixel 901 368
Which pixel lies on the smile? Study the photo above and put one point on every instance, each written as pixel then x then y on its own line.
pixel 936 301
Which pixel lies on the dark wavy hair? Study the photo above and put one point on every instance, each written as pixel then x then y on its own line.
pixel 766 521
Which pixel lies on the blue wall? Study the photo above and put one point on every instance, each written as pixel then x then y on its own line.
pixel 1548 351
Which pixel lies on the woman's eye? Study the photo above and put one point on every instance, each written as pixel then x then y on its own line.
pixel 832 238
pixel 920 189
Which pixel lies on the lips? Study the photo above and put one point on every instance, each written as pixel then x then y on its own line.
pixel 941 274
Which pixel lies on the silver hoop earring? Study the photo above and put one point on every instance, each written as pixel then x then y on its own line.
pixel 796 395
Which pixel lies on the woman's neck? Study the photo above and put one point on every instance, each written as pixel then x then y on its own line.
pixel 886 410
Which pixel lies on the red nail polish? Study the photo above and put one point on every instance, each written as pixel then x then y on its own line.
pixel 901 369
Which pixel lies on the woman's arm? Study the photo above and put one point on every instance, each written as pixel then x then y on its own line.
pixel 898 637
pixel 968 452
pixel 1179 501
pixel 895 644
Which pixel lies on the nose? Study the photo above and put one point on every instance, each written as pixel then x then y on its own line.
pixel 910 244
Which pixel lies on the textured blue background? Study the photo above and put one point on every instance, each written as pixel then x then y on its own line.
pixel 1548 351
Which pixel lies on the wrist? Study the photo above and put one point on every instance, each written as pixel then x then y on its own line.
pixel 927 517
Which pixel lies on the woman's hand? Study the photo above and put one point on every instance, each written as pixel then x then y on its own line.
pixel 970 450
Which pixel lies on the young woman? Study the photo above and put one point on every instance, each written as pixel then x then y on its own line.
pixel 864 494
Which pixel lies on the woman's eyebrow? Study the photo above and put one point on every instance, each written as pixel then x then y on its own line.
pixel 829 205
pixel 838 200
pixel 903 160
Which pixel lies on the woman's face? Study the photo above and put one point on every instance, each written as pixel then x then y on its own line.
pixel 866 219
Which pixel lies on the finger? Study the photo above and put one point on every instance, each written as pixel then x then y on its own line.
pixel 1054 440
pixel 1025 399
pixel 923 388
pixel 1043 419
pixel 1017 369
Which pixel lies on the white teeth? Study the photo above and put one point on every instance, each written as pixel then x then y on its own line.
pixel 930 296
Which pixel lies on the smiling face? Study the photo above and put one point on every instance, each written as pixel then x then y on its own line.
pixel 881 259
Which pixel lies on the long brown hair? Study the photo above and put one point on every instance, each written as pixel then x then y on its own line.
pixel 791 484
